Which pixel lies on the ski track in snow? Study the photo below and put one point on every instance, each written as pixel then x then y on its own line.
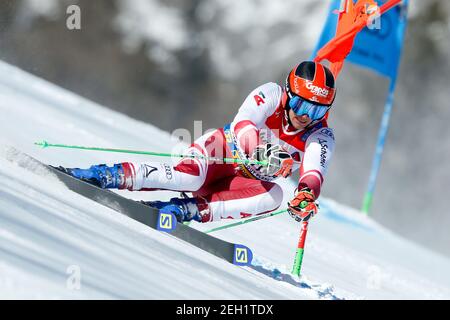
pixel 45 228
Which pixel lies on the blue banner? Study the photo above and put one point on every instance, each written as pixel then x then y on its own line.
pixel 377 48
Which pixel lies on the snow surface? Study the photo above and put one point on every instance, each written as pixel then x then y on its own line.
pixel 49 235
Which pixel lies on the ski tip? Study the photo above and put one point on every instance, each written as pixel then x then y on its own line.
pixel 167 222
pixel 243 256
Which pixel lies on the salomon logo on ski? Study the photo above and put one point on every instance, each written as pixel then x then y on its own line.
pixel 167 222
pixel 243 256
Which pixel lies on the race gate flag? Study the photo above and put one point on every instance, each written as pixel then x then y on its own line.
pixel 377 47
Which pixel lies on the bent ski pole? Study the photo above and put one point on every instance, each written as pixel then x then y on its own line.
pixel 300 249
pixel 231 225
pixel 45 144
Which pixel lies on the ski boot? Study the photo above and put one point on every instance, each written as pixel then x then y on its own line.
pixel 99 175
pixel 185 209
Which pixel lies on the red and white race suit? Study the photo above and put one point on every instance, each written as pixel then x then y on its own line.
pixel 230 190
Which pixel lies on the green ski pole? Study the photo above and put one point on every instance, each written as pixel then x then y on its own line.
pixel 296 269
pixel 45 144
pixel 231 225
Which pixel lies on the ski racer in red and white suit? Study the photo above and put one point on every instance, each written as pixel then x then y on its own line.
pixel 285 126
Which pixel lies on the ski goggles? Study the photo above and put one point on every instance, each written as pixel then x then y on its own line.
pixel 302 107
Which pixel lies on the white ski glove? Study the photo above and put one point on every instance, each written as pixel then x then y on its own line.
pixel 279 160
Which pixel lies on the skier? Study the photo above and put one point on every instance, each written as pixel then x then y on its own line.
pixel 287 127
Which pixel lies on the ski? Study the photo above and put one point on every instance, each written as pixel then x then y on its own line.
pixel 236 254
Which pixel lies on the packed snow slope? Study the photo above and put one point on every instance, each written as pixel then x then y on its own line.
pixel 56 244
